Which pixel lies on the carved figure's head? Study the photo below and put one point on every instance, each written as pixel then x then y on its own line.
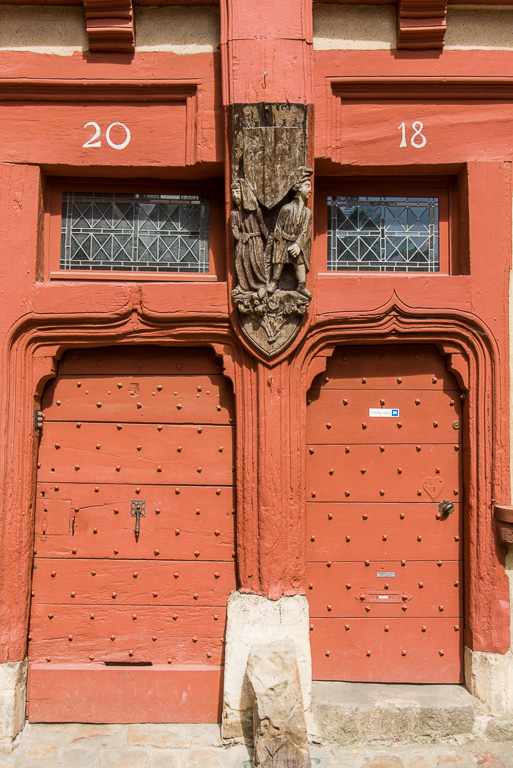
pixel 305 190
pixel 242 191
pixel 303 185
pixel 236 193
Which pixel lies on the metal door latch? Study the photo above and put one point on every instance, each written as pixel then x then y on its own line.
pixel 446 507
pixel 137 510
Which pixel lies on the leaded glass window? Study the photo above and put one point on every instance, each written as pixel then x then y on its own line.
pixel 383 234
pixel 114 232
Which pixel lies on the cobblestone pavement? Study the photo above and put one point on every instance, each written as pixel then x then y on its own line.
pixel 75 745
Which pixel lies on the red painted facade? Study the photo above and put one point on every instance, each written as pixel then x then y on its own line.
pixel 177 110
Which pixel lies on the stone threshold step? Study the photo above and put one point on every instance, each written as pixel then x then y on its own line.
pixel 351 713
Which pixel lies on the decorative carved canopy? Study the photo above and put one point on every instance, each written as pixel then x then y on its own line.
pixel 110 25
pixel 421 24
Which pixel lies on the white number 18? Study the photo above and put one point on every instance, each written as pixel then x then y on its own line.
pixel 417 140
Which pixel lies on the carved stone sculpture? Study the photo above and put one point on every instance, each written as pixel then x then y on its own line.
pixel 270 222
pixel 293 235
pixel 249 230
pixel 280 734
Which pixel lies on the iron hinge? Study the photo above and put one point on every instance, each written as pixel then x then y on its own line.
pixel 38 419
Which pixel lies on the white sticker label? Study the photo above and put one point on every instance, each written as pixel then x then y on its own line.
pixel 389 413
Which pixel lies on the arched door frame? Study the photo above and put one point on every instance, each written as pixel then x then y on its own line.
pixel 31 360
pixel 31 357
pixel 472 356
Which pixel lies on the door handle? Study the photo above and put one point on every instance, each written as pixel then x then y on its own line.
pixel 446 508
pixel 138 510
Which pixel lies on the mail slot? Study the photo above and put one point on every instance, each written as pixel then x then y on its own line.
pixel 372 596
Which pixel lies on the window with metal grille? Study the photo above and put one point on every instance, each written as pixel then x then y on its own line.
pixel 117 232
pixel 383 234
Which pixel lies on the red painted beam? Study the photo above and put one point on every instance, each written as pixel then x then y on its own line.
pixel 266 55
pixel 476 3
pixel 135 2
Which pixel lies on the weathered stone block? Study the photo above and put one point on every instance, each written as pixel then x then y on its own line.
pixel 349 713
pixel 13 686
pixel 280 734
pixel 252 619
pixel 499 729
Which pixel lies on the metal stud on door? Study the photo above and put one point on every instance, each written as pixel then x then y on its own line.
pixel 384 544
pixel 134 538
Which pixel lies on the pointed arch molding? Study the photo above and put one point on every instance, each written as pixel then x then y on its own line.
pixel 110 25
pixel 472 356
pixel 31 360
pixel 268 509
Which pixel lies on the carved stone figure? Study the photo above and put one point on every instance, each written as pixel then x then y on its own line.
pixel 293 235
pixel 280 734
pixel 249 230
pixel 272 243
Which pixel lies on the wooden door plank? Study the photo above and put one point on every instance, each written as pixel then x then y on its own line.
pixel 399 473
pixel 213 545
pixel 127 634
pixel 139 360
pixel 418 588
pixel 418 367
pixel 94 693
pixel 187 454
pixel 343 531
pixel 178 521
pixel 202 399
pixel 429 414
pixel 108 582
pixel 364 650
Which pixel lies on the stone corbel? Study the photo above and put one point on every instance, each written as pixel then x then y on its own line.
pixel 504 522
pixel 421 24
pixel 44 368
pixel 110 25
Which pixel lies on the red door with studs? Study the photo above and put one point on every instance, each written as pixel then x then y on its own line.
pixel 134 544
pixel 384 523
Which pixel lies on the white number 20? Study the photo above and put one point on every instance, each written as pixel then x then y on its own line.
pixel 95 140
pixel 417 139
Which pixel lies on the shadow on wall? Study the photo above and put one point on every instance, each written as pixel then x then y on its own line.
pixel 178 30
pixel 62 31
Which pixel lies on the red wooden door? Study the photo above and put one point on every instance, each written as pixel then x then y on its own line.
pixel 384 570
pixel 134 541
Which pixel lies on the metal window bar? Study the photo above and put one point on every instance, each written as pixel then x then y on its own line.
pixel 114 232
pixel 383 234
